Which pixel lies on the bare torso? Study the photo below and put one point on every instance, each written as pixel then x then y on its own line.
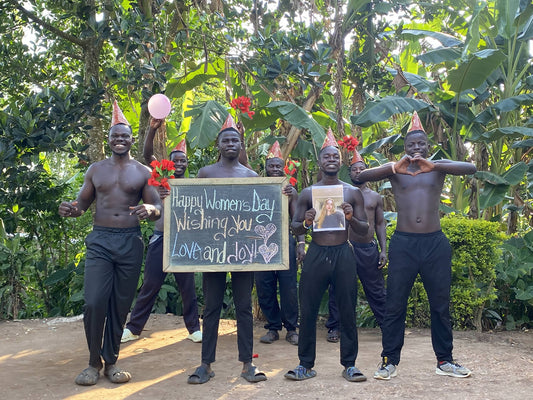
pixel 417 201
pixel 116 188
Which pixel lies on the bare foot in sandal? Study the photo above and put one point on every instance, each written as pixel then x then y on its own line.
pixel 88 377
pixel 116 375
pixel 252 374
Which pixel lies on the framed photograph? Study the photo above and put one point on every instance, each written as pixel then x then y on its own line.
pixel 327 202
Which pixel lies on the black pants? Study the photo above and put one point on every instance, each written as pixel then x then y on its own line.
pixel 286 310
pixel 214 286
pixel 367 259
pixel 322 266
pixel 153 280
pixel 112 268
pixel 430 256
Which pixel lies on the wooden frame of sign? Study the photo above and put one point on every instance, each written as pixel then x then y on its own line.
pixel 226 224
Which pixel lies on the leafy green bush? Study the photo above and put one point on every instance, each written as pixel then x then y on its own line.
pixel 514 281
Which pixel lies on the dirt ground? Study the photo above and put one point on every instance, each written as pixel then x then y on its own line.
pixel 39 359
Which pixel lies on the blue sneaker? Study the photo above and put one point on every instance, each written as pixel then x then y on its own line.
pixel 386 370
pixel 450 368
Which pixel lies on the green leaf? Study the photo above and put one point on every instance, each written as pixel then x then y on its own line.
pixel 506 105
pixel 379 143
pixel 446 40
pixel 207 121
pixel 439 55
pixel 490 177
pixel 522 143
pixel 509 131
pixel 382 110
pixel 177 87
pixel 506 12
pixel 492 195
pixel 473 72
pixel 515 174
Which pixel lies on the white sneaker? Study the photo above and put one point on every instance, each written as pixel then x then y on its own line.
pixel 450 368
pixel 128 336
pixel 196 337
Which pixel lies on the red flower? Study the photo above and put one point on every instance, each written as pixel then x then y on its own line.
pixel 291 169
pixel 242 104
pixel 161 172
pixel 293 181
pixel 348 142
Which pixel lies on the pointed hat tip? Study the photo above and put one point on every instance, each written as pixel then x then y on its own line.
pixel 229 124
pixel 275 151
pixel 181 146
pixel 118 117
pixel 329 140
pixel 415 125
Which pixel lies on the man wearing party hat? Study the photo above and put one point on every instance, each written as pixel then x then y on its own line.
pixel 153 266
pixel 285 312
pixel 369 259
pixel 418 246
pixel 114 248
pixel 229 144
pixel 329 259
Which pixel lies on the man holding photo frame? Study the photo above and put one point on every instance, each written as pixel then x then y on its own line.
pixel 329 259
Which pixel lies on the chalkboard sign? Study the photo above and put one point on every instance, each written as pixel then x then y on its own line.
pixel 229 224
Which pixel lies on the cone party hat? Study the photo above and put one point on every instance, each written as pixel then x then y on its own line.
pixel 229 124
pixel 329 140
pixel 415 125
pixel 181 146
pixel 356 157
pixel 275 151
pixel 118 117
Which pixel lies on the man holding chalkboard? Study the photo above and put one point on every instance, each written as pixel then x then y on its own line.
pixel 214 283
pixel 153 268
pixel 284 312
pixel 329 259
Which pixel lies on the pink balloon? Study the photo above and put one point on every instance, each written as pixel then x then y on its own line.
pixel 159 106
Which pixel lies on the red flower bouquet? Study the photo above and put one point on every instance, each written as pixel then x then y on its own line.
pixel 291 170
pixel 161 172
pixel 348 142
pixel 243 104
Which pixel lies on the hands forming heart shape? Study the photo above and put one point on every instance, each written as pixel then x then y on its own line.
pixel 413 165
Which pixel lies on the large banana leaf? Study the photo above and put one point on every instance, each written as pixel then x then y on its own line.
pixel 207 119
pixel 382 110
pixel 177 87
pixel 506 105
pixel 474 71
pixel 512 132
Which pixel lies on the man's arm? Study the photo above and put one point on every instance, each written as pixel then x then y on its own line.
pixel 381 231
pixel 454 167
pixel 151 207
pixel 378 173
pixel 85 197
pixel 354 212
pixel 148 149
pixel 303 215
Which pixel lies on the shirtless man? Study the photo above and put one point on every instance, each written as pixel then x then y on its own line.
pixel 418 246
pixel 329 259
pixel 114 248
pixel 214 283
pixel 153 266
pixel 370 259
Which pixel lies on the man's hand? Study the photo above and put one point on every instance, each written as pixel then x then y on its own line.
pixel 163 192
pixel 143 211
pixel 67 209
pixel 155 123
pixel 289 190
pixel 348 210
pixel 382 260
pixel 423 165
pixel 309 217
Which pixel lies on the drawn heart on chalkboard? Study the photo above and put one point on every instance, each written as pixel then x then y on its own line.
pixel 265 232
pixel 268 252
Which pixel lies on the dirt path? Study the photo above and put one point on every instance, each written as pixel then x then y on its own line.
pixel 39 359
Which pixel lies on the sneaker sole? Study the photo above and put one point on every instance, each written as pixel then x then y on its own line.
pixel 128 339
pixel 439 371
pixel 387 378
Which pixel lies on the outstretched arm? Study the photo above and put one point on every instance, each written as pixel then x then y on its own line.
pixel 378 173
pixel 454 167
pixel 148 149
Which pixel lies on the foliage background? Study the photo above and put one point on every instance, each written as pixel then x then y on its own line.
pixel 360 67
